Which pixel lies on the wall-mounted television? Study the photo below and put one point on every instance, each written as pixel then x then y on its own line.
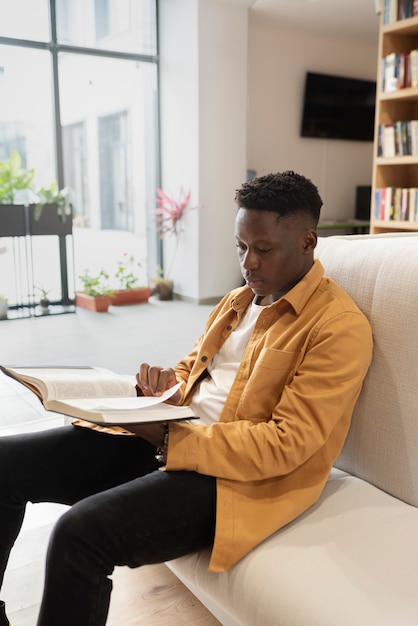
pixel 336 107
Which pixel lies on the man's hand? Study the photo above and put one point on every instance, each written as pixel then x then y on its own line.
pixel 154 433
pixel 153 381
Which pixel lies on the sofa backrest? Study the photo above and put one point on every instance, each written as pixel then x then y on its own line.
pixel 380 272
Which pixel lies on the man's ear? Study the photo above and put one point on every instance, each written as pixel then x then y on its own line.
pixel 310 239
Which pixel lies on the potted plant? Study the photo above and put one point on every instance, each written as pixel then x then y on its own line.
pixel 128 291
pixel 96 294
pixel 49 214
pixel 4 307
pixel 13 179
pixel 44 301
pixel 162 287
pixel 169 222
pixel 52 212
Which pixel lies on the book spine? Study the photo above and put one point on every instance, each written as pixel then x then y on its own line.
pixel 413 55
pixel 377 203
pixel 389 140
pixel 396 203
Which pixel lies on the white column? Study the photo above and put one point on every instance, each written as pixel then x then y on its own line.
pixel 203 81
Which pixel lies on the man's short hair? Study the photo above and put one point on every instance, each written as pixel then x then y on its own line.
pixel 284 193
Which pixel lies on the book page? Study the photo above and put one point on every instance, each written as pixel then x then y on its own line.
pixel 124 410
pixel 67 383
pixel 121 404
pixel 153 413
pixel 112 405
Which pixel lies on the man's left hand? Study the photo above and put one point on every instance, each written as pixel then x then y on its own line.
pixel 154 433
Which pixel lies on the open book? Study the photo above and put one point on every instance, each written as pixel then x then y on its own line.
pixel 97 395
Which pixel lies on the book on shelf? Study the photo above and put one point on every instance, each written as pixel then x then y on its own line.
pixel 413 204
pixel 398 204
pixel 413 69
pixel 390 11
pixel 97 395
pixel 398 138
pixel 388 140
pixel 394 10
pixel 390 66
pixel 405 9
pixel 399 71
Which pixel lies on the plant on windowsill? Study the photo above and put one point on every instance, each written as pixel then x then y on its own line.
pixel 14 179
pixel 129 291
pixel 50 208
pixel 51 211
pixel 44 302
pixel 169 222
pixel 95 294
pixel 63 198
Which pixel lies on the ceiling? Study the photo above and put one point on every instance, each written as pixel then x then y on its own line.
pixel 352 19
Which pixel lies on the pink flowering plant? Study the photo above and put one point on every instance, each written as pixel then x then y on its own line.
pixel 170 212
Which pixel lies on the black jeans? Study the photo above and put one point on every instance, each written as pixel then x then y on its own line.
pixel 125 511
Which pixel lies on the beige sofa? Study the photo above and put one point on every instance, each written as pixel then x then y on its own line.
pixel 352 559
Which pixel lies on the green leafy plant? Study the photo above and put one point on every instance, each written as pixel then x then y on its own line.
pixel 96 285
pixel 44 292
pixel 44 296
pixel 127 272
pixel 14 178
pixel 63 198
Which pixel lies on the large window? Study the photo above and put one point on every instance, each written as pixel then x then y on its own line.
pixel 78 100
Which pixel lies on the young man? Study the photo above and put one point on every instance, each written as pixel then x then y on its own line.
pixel 274 379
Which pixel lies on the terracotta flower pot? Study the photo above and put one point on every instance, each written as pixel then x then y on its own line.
pixel 100 304
pixel 131 296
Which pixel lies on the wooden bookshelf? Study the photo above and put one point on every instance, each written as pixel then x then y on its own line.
pixel 395 166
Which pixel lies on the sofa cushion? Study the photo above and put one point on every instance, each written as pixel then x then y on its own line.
pixel 381 274
pixel 350 559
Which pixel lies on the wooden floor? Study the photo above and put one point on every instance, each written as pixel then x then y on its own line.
pixel 150 595
pixel 154 595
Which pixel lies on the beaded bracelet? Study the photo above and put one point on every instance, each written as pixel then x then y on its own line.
pixel 161 455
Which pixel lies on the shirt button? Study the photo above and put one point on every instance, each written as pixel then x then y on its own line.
pixel 204 359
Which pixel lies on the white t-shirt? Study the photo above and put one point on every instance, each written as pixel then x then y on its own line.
pixel 209 399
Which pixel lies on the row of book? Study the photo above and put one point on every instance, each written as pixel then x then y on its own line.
pixel 394 10
pixel 397 139
pixel 396 203
pixel 399 70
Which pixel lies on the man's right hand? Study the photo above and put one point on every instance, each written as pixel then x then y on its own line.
pixel 154 380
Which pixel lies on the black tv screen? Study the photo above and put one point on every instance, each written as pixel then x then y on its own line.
pixel 335 107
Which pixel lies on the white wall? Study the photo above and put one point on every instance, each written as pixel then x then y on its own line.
pixel 278 62
pixel 231 99
pixel 204 51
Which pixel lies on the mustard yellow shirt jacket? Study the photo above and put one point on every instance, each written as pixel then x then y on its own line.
pixel 287 414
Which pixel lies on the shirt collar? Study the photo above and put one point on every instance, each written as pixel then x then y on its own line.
pixel 296 297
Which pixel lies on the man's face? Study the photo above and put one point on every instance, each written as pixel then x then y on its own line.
pixel 274 254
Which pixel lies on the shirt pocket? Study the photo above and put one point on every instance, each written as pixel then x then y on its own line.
pixel 270 374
